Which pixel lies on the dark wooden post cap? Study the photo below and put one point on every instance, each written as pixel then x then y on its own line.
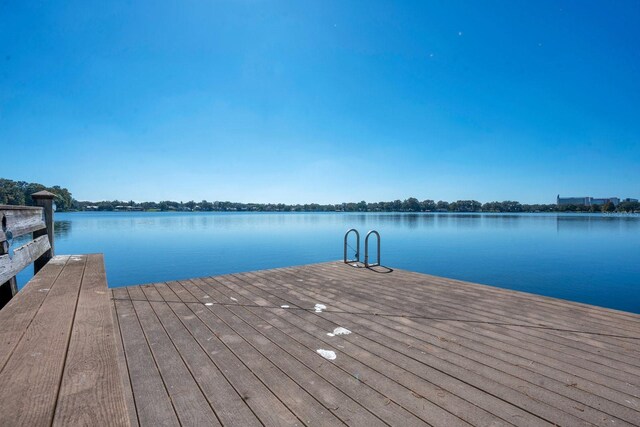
pixel 44 194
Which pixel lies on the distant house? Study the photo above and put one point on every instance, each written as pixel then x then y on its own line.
pixel 128 208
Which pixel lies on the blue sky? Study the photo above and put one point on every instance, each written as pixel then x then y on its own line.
pixel 322 101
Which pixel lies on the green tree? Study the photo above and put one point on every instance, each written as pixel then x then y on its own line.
pixel 427 205
pixel 19 193
pixel 411 205
pixel 11 193
pixel 608 207
pixel 442 205
pixel 629 206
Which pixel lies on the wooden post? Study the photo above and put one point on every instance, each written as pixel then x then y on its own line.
pixel 44 199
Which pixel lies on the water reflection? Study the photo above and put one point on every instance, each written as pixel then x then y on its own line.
pixel 586 258
pixel 61 229
pixel 597 223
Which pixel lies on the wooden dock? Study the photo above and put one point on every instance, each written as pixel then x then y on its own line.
pixel 244 349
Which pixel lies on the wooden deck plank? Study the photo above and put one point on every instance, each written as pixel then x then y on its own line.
pixel 225 401
pixel 378 334
pixel 31 377
pixel 538 302
pixel 122 366
pixel 436 392
pixel 379 344
pixel 573 365
pixel 18 314
pixel 600 359
pixel 303 404
pixel 423 350
pixel 312 361
pixel 506 310
pixel 188 400
pixel 343 379
pixel 340 404
pixel 488 301
pixel 264 404
pixel 612 334
pixel 545 312
pixel 300 331
pixel 91 378
pixel 444 308
pixel 152 403
pixel 458 324
pixel 547 333
pixel 526 334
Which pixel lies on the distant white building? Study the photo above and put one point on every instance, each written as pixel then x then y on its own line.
pixel 599 202
pixel 586 201
pixel 576 201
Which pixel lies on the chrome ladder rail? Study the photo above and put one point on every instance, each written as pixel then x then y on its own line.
pixel 347 261
pixel 366 249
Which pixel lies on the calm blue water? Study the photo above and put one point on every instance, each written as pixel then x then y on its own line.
pixel 587 258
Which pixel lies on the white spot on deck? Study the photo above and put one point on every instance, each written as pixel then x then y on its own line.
pixel 233 299
pixel 327 354
pixel 284 306
pixel 208 303
pixel 319 307
pixel 339 331
pixel 43 290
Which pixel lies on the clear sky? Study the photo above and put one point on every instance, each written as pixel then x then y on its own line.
pixel 324 101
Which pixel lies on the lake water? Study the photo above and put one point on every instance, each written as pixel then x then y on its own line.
pixel 587 258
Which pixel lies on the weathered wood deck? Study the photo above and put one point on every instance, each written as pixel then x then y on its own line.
pixel 423 350
pixel 58 354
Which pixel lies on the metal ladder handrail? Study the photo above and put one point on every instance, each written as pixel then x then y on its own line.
pixel 346 235
pixel 366 249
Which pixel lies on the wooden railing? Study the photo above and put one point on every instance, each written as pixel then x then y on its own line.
pixel 17 221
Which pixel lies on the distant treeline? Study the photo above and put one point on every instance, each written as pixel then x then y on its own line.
pixel 19 193
pixel 409 205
